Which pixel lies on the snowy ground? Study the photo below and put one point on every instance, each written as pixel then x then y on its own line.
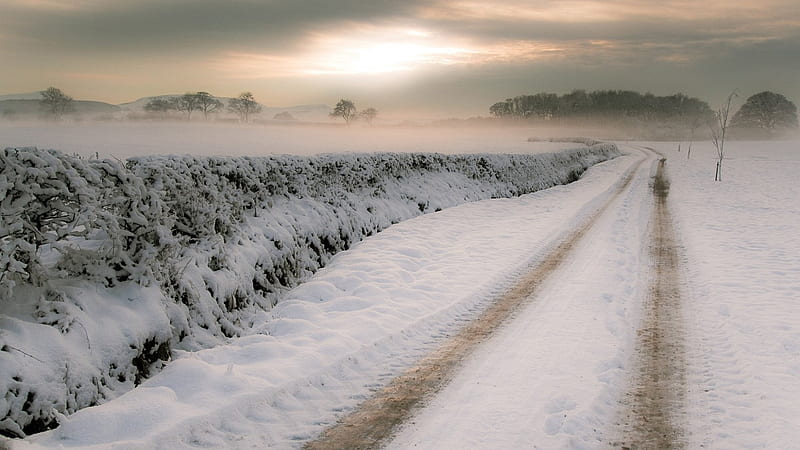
pixel 123 140
pixel 551 378
pixel 742 259
pixel 372 312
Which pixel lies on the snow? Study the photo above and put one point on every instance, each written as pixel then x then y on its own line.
pixel 742 250
pixel 221 239
pixel 552 377
pixel 355 324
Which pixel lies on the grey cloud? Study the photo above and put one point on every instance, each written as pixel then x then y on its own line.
pixel 207 24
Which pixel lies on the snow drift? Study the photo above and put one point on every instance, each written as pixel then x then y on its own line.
pixel 108 266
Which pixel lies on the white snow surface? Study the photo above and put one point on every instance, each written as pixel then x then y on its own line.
pixel 372 312
pixel 553 376
pixel 742 301
pixel 392 297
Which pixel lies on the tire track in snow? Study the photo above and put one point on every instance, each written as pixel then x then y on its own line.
pixel 653 406
pixel 377 418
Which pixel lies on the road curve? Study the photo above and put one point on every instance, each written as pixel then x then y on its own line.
pixel 373 422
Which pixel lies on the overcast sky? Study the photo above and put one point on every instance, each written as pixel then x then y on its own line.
pixel 439 58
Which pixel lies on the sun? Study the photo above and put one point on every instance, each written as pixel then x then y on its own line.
pixel 380 52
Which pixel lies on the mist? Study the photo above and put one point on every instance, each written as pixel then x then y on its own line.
pixel 138 139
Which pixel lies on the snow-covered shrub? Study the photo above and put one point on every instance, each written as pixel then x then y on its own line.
pixel 116 264
pixel 65 217
pixel 577 139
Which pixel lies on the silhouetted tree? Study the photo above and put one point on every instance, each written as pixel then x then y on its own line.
pixel 244 105
pixel 55 102
pixel 160 105
pixel 187 103
pixel 207 103
pixel 767 111
pixel 345 109
pixel 369 115
pixel 719 127
pixel 600 104
pixel 501 109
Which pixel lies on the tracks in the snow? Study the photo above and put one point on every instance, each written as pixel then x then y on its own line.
pixel 376 419
pixel 652 407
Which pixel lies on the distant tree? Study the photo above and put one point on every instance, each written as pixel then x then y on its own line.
pixel 244 105
pixel 719 128
pixel 345 109
pixel 369 115
pixel 160 105
pixel 767 111
pixel 55 102
pixel 207 103
pixel 616 105
pixel 187 103
pixel 284 115
pixel 501 109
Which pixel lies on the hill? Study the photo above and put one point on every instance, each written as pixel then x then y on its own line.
pixel 30 108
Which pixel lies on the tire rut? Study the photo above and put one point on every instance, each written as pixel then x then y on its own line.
pixel 376 419
pixel 653 406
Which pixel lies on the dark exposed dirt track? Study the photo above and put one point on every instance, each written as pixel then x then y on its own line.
pixel 377 418
pixel 652 406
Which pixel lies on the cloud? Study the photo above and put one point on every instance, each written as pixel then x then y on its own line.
pixel 317 44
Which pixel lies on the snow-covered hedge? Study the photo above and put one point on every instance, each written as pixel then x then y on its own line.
pixel 577 140
pixel 108 266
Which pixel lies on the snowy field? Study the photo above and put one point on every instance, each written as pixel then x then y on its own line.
pixel 742 250
pixel 553 376
pixel 125 140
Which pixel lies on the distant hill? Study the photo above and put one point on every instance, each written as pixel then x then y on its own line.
pixel 26 109
pixel 27 96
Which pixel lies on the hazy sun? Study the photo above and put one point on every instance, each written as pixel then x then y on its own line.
pixel 380 51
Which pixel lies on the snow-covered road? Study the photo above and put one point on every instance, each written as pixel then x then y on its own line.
pixel 553 376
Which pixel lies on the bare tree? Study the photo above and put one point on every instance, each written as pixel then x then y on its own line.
pixel 345 109
pixel 244 105
pixel 56 102
pixel 719 127
pixel 187 103
pixel 160 105
pixel 207 103
pixel 369 115
pixel 694 124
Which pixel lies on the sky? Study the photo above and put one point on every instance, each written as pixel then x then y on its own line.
pixel 437 58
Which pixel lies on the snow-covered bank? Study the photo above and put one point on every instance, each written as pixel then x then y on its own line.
pixel 742 249
pixel 109 266
pixel 371 312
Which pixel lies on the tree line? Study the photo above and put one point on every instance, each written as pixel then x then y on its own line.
pixel 766 111
pixel 56 103
pixel 347 110
pixel 600 104
pixel 243 106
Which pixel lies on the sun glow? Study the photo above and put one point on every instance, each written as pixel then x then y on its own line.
pixel 375 51
pixel 386 57
pixel 369 51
